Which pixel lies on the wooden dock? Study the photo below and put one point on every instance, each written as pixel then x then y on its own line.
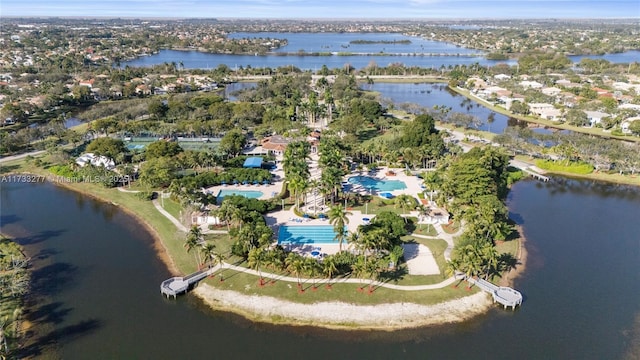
pixel 506 296
pixel 179 285
pixel 526 168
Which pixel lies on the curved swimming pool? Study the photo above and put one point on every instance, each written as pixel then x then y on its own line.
pixel 369 182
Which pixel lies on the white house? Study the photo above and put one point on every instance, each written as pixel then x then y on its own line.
pixel 531 84
pixel 501 77
pixel 595 117
pixel 551 91
pixel 629 107
pixel 96 160
pixel 625 124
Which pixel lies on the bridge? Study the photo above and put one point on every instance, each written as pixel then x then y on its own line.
pixel 506 296
pixel 178 285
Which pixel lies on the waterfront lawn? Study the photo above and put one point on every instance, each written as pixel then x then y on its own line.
pixel 349 293
pixel 508 247
pixel 173 207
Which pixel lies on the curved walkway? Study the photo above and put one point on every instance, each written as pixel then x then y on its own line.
pixel 268 275
pixel 444 236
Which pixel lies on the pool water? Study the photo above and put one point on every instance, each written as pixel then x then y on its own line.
pixel 251 194
pixel 312 234
pixel 369 182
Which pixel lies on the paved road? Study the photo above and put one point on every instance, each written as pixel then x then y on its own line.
pixel 21 156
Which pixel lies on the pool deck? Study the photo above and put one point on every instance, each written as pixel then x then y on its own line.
pixel 413 182
pixel 268 191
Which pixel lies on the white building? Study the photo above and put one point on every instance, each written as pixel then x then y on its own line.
pixel 595 117
pixel 96 160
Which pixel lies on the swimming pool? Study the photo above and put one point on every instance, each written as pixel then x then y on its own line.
pixel 251 194
pixel 369 182
pixel 312 234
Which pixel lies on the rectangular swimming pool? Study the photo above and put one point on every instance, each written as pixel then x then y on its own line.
pixel 251 194
pixel 312 234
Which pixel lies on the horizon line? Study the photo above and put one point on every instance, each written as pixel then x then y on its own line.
pixel 307 18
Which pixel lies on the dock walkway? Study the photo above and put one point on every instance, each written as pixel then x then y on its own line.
pixel 506 296
pixel 178 285
pixel 528 169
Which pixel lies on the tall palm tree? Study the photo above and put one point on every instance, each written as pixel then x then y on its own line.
pixel 311 269
pixel 192 243
pixel 339 217
pixel 256 260
pixel 226 213
pixel 209 254
pixel 295 264
pixel 329 268
pixel 405 202
pixel 359 270
pixel 395 255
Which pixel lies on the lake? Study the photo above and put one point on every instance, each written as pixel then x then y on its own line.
pixel 341 42
pixel 429 95
pixel 328 43
pixel 96 286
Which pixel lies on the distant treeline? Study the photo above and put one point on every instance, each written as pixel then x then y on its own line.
pixel 361 42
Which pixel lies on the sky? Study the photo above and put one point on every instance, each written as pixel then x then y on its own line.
pixel 317 9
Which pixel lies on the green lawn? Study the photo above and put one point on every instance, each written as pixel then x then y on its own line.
pixel 375 206
pixel 173 207
pixel 249 284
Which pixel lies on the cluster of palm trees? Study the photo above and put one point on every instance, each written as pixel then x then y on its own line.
pixel 204 252
pixel 296 168
pixel 473 257
pixel 276 259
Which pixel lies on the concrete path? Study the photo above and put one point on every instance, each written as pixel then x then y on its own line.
pixel 164 212
pixel 21 156
pixel 444 236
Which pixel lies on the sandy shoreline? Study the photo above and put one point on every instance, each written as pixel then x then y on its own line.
pixel 508 278
pixel 340 315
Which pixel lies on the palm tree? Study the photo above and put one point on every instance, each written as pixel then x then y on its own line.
pixel 395 255
pixel 295 264
pixel 226 213
pixel 405 202
pixel 209 254
pixel 192 242
pixel 298 184
pixel 255 261
pixel 339 217
pixel 359 269
pixel 311 269
pixel 329 268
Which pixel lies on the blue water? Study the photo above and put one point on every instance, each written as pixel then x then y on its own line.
pixel 313 234
pixel 369 182
pixel 623 57
pixel 201 60
pixel 135 147
pixel 341 42
pixel 251 194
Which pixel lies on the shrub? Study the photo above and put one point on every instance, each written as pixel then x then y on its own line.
pixel 580 168
pixel 146 195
